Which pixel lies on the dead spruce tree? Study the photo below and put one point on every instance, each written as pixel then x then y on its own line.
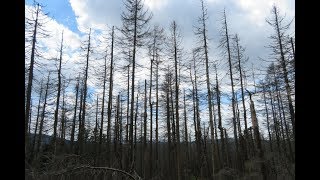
pixel 134 21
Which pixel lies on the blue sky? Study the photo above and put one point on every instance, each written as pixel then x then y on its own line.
pixel 61 11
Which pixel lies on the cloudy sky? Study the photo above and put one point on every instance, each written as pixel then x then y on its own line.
pixel 245 17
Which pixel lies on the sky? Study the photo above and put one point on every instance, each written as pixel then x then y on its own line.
pixel 245 17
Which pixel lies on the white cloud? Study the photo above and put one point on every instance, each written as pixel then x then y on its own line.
pixel 258 11
pixel 156 4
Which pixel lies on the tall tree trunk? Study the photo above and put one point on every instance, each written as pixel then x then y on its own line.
pixel 30 78
pixel 116 130
pixel 135 130
pixel 267 113
pixel 29 128
pixel 242 97
pixel 205 46
pixel 291 157
pixel 36 128
pixel 223 148
pixel 110 93
pixel 120 134
pixel 43 115
pixel 56 112
pixel 96 126
pixel 194 109
pixel 232 88
pixel 275 122
pixel 157 115
pixel 75 115
pixel 176 101
pixel 63 118
pixel 173 125
pixel 80 121
pixel 85 89
pixel 132 81
pixel 185 125
pixel 145 130
pixel 102 104
pixel 168 123
pixel 215 139
pixel 128 104
pixel 255 126
pixel 284 69
pixel 151 113
pixel 279 111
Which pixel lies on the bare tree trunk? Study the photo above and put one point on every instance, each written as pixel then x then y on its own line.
pixel 294 54
pixel 132 81
pixel 56 112
pixel 116 130
pixel 284 69
pixel 128 105
pixel 177 102
pixel 223 149
pixel 255 126
pixel 199 134
pixel 29 128
pixel 286 130
pixel 233 95
pixel 216 145
pixel 36 128
pixel 275 122
pixel 151 113
pixel 102 105
pixel 43 115
pixel 120 135
pixel 96 127
pixel 167 89
pixel 267 113
pixel 280 115
pixel 135 129
pixel 63 118
pixel 110 93
pixel 30 78
pixel 75 115
pixel 145 130
pixel 157 116
pixel 173 125
pixel 82 129
pixel 242 97
pixel 80 121
pixel 185 125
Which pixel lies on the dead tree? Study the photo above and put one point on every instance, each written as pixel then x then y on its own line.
pixel 36 24
pixel 110 92
pixel 224 43
pixel 278 47
pixel 85 89
pixel 56 112
pixel 134 20
pixel 201 32
pixel 255 126
pixel 43 115
pixel 75 114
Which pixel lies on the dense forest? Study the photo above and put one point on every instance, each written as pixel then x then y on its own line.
pixel 182 118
